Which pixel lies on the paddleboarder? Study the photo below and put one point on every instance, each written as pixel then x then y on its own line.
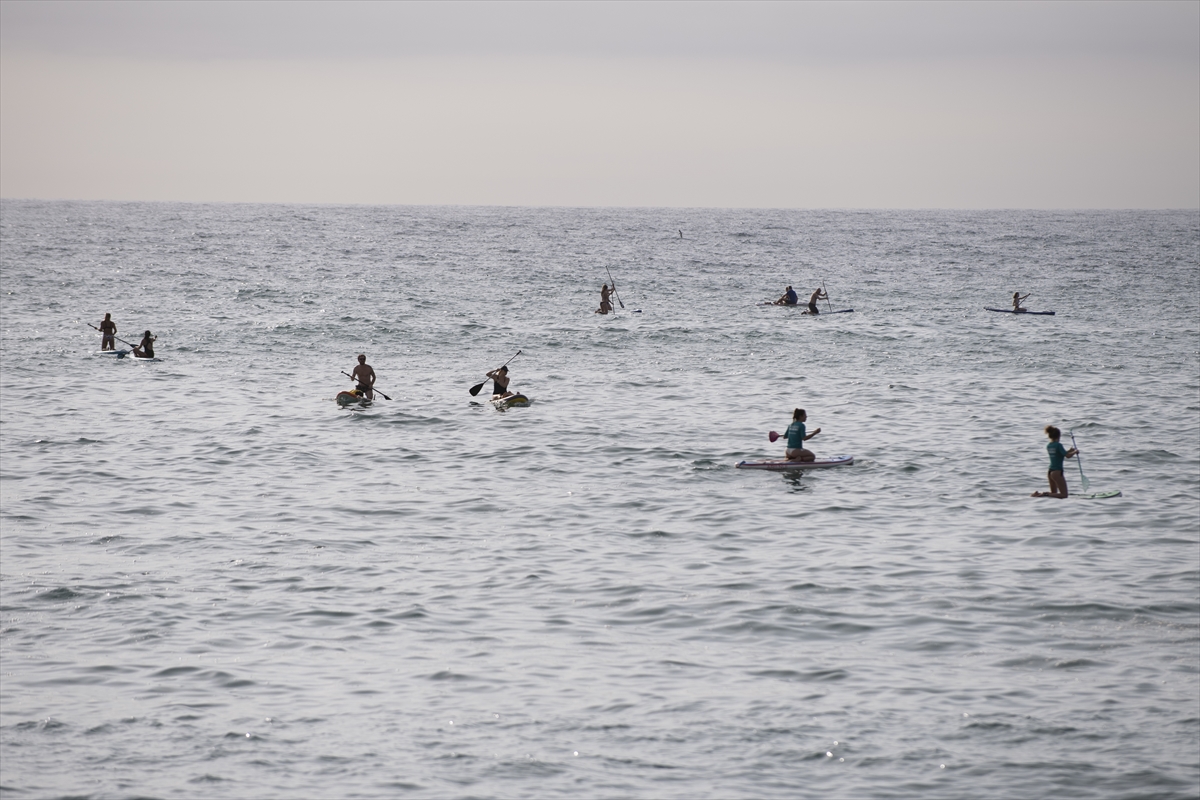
pixel 499 383
pixel 108 333
pixel 1018 299
pixel 146 348
pixel 819 294
pixel 796 437
pixel 605 300
pixel 1058 483
pixel 365 377
pixel 789 298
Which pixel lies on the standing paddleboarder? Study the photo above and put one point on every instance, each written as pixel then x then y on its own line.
pixel 365 376
pixel 819 294
pixel 1058 482
pixel 108 333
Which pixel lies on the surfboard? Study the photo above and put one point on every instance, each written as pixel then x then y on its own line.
pixel 1099 495
pixel 784 466
pixel 1021 313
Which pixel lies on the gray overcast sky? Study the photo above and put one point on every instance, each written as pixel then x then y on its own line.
pixel 685 104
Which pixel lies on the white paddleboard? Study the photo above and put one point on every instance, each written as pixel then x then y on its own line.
pixel 784 466
pixel 1098 495
pixel 512 401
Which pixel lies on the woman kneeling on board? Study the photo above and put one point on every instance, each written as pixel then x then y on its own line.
pixel 1058 484
pixel 796 438
pixel 499 383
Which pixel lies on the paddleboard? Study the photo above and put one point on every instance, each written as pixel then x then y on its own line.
pixel 349 398
pixel 1022 313
pixel 512 401
pixel 805 307
pixel 784 466
pixel 117 353
pixel 1098 495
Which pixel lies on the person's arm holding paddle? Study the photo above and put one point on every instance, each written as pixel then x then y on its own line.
pixel 499 382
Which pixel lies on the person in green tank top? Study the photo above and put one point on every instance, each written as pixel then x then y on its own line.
pixel 1058 483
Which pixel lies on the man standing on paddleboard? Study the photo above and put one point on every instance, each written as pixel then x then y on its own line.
pixel 796 438
pixel 365 377
pixel 1058 483
pixel 819 294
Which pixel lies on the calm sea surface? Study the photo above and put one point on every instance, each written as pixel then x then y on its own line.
pixel 216 583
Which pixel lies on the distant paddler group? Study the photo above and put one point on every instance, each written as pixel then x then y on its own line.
pixel 790 298
pixel 109 338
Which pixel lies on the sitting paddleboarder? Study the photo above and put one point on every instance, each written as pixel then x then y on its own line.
pixel 146 348
pixel 796 437
pixel 108 333
pixel 1017 300
pixel 789 298
pixel 605 301
pixel 365 377
pixel 1058 483
pixel 819 294
pixel 499 383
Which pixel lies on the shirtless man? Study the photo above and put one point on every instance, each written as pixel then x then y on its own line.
pixel 819 294
pixel 108 333
pixel 1017 300
pixel 365 376
pixel 605 302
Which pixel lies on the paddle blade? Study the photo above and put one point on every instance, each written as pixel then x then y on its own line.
pixel 773 436
pixel 474 390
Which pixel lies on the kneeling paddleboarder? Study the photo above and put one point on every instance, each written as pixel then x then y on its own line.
pixel 499 383
pixel 796 437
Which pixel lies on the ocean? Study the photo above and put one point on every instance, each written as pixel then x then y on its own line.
pixel 214 582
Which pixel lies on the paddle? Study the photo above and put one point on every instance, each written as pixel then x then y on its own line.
pixel 772 436
pixel 614 285
pixel 826 291
pixel 474 390
pixel 373 389
pixel 1079 460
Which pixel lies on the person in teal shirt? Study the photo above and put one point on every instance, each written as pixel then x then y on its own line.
pixel 1058 483
pixel 796 437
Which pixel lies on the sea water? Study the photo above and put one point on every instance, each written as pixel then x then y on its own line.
pixel 217 583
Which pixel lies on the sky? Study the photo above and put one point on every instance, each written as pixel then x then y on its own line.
pixel 679 104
